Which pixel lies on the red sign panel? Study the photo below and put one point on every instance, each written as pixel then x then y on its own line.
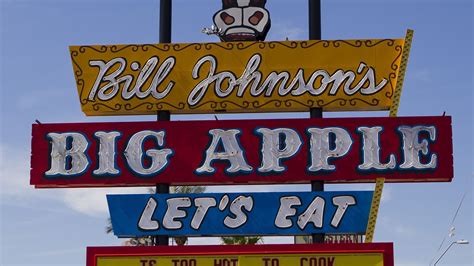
pixel 404 149
pixel 249 255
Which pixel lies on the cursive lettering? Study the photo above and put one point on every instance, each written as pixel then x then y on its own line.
pixel 319 82
pixel 108 82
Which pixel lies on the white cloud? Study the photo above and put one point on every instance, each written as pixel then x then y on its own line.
pixel 404 230
pixel 93 201
pixel 396 226
pixel 386 194
pixel 423 75
pixel 14 173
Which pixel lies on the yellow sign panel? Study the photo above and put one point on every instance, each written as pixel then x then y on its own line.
pixel 237 76
pixel 345 259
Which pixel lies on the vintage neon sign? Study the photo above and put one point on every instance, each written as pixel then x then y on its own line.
pixel 290 213
pixel 256 151
pixel 208 77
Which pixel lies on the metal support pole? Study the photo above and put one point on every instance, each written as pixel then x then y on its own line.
pixel 314 19
pixel 317 185
pixel 314 7
pixel 162 188
pixel 165 37
pixel 163 116
pixel 165 21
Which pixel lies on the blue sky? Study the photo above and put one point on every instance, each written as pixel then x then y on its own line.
pixel 53 227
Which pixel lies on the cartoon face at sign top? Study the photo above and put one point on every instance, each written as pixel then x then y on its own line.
pixel 243 20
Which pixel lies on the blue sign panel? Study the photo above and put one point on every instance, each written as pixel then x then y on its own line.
pixel 290 213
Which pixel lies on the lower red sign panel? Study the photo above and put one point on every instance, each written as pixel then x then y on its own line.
pixel 374 254
pixel 403 149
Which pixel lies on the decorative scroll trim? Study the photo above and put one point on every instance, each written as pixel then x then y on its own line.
pixel 401 74
pixel 223 105
pixel 150 106
pixel 392 77
pixel 234 45
pixel 78 73
pixel 374 210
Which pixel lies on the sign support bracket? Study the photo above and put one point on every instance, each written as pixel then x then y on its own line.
pixel 401 76
pixel 374 210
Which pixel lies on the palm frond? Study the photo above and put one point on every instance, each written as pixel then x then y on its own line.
pixel 241 240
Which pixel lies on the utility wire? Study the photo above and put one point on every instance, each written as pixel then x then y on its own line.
pixel 459 207
pixel 452 223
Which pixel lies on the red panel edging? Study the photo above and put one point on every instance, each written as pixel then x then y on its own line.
pixel 386 248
